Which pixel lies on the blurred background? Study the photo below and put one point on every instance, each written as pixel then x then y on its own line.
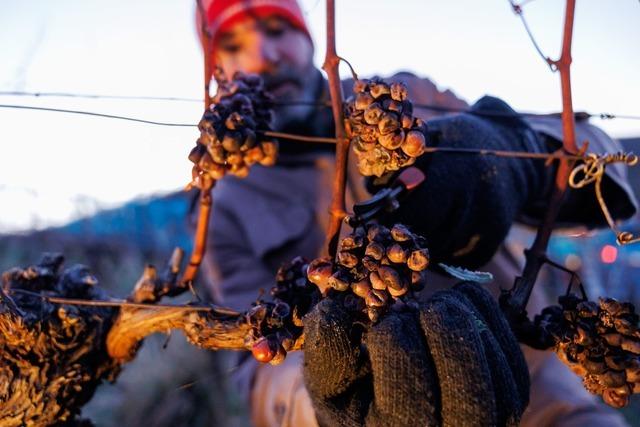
pixel 107 193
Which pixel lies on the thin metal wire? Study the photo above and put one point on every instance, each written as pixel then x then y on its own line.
pixel 142 98
pixel 517 9
pixel 440 149
pixel 607 116
pixel 279 104
pixel 118 303
pixel 475 151
pixel 310 139
pixel 97 96
pixel 301 138
pixel 326 104
pixel 88 113
pixel 504 153
pixel 490 113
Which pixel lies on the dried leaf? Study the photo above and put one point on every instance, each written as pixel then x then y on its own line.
pixel 464 274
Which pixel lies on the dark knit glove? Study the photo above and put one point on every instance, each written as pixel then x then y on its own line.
pixel 452 362
pixel 468 202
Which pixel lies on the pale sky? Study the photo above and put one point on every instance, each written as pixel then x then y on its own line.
pixel 55 167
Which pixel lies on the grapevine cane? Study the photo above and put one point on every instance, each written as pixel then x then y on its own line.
pixel 200 237
pixel 536 255
pixel 330 66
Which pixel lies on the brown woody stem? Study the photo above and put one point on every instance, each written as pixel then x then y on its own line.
pixel 202 229
pixel 330 66
pixel 216 329
pixel 134 324
pixel 200 238
pixel 537 253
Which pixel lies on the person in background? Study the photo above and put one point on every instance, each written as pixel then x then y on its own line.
pixel 466 210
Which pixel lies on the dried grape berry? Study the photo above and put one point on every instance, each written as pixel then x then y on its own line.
pixel 382 130
pixel 264 349
pixel 277 324
pixel 375 265
pixel 229 142
pixel 599 342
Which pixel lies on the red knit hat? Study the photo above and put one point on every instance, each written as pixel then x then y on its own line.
pixel 221 14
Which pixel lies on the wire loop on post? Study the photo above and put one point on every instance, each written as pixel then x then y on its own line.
pixel 592 171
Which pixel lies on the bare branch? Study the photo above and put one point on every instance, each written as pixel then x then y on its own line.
pixel 537 253
pixel 331 63
pixel 202 231
pixel 210 330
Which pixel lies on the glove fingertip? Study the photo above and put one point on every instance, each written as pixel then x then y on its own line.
pixel 404 377
pixel 486 307
pixel 332 355
pixel 463 371
pixel 511 407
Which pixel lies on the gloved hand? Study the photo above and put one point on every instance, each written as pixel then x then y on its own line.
pixel 454 361
pixel 468 202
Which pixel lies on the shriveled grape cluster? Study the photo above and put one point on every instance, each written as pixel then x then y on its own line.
pixel 380 124
pixel 293 287
pixel 600 342
pixel 52 356
pixel 228 140
pixel 276 325
pixel 378 265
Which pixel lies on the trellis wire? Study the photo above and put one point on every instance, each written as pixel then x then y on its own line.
pixel 517 9
pixel 319 140
pixel 89 113
pixel 281 104
pixel 98 96
pixel 120 303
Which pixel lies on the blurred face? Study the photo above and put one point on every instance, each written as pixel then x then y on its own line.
pixel 274 49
